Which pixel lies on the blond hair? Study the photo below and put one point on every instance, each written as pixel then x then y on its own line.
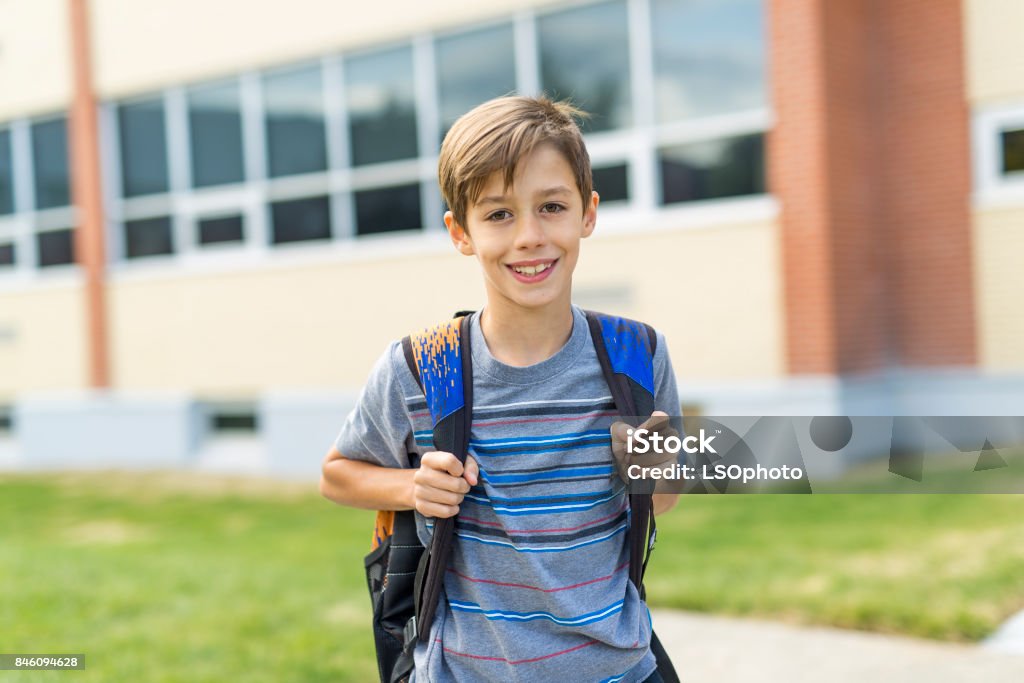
pixel 496 135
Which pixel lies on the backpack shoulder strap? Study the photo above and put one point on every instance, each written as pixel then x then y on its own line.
pixel 441 361
pixel 625 348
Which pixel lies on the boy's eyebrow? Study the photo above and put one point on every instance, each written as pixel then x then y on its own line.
pixel 558 189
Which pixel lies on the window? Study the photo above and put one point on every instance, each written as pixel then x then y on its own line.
pixel 473 68
pixel 1013 150
pixel 55 247
pixel 221 229
pixel 143 148
pixel 148 237
pixel 50 163
pixel 388 209
pixel 708 57
pixel 296 138
pixel 215 129
pixel 612 183
pixel 6 254
pixel 6 174
pixel 707 170
pixel 297 220
pixel 584 55
pixel 381 107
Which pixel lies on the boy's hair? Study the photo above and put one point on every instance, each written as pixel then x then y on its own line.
pixel 496 135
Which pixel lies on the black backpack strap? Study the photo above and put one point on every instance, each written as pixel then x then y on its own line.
pixel 625 349
pixel 441 360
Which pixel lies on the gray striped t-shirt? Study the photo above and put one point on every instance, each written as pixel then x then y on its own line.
pixel 537 588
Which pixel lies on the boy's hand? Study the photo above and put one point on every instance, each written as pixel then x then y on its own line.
pixel 441 482
pixel 658 423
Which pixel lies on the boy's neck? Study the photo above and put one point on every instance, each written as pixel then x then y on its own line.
pixel 522 337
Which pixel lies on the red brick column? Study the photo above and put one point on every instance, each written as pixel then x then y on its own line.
pixel 869 159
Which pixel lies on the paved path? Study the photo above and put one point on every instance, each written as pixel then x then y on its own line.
pixel 728 650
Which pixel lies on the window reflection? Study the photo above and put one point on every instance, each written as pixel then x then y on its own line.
pixel 1013 150
pixel 708 57
pixel 215 132
pixel 296 140
pixel 55 248
pixel 584 55
pixel 297 220
pixel 381 106
pixel 611 182
pixel 473 68
pixel 50 163
pixel 388 209
pixel 148 237
pixel 6 174
pixel 6 254
pixel 221 229
pixel 708 170
pixel 143 148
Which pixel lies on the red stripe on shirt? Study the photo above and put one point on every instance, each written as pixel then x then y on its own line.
pixel 537 588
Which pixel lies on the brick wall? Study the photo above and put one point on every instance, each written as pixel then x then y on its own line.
pixel 869 158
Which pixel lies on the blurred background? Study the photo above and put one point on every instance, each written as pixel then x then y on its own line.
pixel 215 215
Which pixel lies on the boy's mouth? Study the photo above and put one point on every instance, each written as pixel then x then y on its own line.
pixel 532 271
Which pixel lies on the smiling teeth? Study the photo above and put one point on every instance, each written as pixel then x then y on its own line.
pixel 531 270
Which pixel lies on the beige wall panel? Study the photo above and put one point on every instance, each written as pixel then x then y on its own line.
pixel 35 57
pixel 999 276
pixel 715 292
pixel 42 340
pixel 318 326
pixel 323 326
pixel 141 46
pixel 994 50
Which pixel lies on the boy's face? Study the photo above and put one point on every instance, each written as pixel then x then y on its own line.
pixel 527 236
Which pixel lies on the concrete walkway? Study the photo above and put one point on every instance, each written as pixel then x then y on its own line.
pixel 729 650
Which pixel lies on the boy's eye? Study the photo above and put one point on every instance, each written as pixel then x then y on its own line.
pixel 552 208
pixel 499 215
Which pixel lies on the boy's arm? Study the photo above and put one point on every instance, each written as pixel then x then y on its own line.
pixel 435 489
pixel 663 502
pixel 666 399
pixel 365 485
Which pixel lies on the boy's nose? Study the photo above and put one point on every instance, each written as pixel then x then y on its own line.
pixel 530 233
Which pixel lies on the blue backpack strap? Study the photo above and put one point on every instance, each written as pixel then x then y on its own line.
pixel 441 361
pixel 625 349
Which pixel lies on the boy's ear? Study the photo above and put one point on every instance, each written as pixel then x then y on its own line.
pixel 590 214
pixel 458 234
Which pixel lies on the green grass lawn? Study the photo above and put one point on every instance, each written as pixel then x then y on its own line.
pixel 171 577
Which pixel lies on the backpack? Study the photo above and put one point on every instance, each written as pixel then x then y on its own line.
pixel 403 577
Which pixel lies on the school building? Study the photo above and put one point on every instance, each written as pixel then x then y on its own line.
pixel 215 214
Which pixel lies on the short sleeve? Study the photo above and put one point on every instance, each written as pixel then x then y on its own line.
pixel 666 393
pixel 379 430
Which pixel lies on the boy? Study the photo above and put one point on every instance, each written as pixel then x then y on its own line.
pixel 537 586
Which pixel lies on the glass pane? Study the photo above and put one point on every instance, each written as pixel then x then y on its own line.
pixel 7 254
pixel 148 237
pixel 223 229
pixel 720 168
pixel 55 248
pixel 584 55
pixel 6 174
pixel 709 57
pixel 388 209
pixel 1013 150
pixel 143 148
pixel 381 108
pixel 301 219
pixel 50 163
pixel 473 68
pixel 296 140
pixel 215 129
pixel 612 182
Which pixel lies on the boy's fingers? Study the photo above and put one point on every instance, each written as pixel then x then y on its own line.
pixel 472 472
pixel 440 479
pixel 442 460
